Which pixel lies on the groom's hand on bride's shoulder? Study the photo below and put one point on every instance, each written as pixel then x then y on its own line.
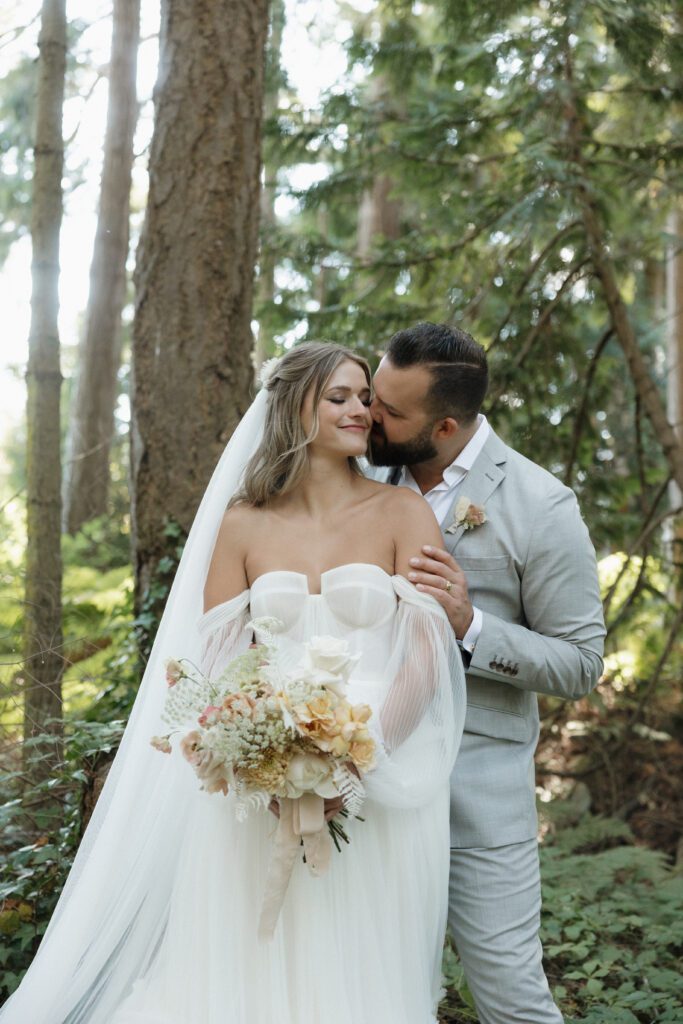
pixel 436 572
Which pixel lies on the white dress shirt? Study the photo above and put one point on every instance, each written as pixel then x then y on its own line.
pixel 442 497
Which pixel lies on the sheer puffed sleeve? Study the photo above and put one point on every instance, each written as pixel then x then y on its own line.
pixel 223 634
pixel 420 723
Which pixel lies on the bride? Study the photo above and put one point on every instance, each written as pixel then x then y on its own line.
pixel 158 921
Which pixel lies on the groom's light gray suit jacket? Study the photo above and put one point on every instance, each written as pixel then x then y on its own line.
pixel 531 569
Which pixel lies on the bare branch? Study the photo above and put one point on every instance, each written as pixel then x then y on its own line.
pixel 581 414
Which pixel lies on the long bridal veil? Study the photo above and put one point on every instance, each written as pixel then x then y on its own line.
pixel 112 912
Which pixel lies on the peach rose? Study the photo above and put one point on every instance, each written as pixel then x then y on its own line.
pixel 210 768
pixel 239 704
pixel 209 716
pixel 362 753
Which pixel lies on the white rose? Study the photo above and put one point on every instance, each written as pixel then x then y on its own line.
pixel 309 773
pixel 461 507
pixel 330 654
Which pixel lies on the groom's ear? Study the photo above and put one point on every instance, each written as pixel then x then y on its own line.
pixel 446 429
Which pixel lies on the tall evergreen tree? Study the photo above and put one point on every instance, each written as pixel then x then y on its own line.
pixel 192 341
pixel 266 270
pixel 674 337
pixel 43 663
pixel 91 423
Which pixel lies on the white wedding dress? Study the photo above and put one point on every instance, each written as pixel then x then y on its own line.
pixel 362 944
pixel 157 920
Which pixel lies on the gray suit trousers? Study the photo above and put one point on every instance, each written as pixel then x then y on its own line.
pixel 494 912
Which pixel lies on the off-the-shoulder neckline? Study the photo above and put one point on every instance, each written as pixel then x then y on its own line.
pixel 402 586
pixel 323 575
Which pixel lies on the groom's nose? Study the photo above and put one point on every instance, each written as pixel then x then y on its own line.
pixel 375 411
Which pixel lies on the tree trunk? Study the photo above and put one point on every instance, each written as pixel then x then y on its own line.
pixel 623 329
pixel 266 277
pixel 379 214
pixel 192 341
pixel 42 642
pixel 92 420
pixel 603 266
pixel 674 379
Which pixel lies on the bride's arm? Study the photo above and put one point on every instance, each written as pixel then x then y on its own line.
pixel 422 716
pixel 412 687
pixel 413 524
pixel 226 595
pixel 227 575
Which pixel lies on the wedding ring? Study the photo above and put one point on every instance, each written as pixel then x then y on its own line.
pixel 449 586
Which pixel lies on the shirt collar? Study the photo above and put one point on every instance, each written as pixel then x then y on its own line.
pixel 465 460
pixel 461 464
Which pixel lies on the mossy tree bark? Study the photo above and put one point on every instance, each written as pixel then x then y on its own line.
pixel 42 641
pixel 674 331
pixel 192 340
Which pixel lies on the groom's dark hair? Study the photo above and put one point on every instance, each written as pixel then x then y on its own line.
pixel 457 364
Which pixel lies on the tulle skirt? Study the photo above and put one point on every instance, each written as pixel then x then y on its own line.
pixel 360 945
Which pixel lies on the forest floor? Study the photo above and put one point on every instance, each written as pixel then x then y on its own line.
pixel 611 819
pixel 611 823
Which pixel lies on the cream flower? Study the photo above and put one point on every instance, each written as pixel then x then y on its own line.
pixel 330 654
pixel 309 773
pixel 268 371
pixel 174 671
pixel 161 743
pixel 467 515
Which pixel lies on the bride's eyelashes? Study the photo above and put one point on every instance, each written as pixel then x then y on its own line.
pixel 367 402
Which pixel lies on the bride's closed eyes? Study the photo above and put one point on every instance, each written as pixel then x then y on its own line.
pixel 339 398
pixel 340 401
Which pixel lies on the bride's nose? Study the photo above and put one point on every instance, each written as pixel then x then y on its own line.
pixel 358 409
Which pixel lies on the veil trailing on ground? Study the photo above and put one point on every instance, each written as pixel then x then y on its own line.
pixel 113 910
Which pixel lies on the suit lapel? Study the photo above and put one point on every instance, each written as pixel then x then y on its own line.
pixel 479 484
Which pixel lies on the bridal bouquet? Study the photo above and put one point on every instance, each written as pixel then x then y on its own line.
pixel 265 730
pixel 276 726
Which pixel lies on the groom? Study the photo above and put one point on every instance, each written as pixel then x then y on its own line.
pixel 517 579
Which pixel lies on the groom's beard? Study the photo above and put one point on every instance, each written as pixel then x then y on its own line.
pixel 384 453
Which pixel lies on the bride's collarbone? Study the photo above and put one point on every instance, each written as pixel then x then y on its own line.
pixel 290 540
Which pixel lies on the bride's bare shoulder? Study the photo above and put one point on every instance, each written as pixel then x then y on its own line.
pixel 227 575
pixel 240 516
pixel 400 501
pixel 408 519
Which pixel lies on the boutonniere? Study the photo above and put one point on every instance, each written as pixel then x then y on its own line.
pixel 467 515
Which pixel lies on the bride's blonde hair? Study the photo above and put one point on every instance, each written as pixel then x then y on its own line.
pixel 281 460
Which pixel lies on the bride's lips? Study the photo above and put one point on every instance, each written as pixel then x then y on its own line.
pixel 357 427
